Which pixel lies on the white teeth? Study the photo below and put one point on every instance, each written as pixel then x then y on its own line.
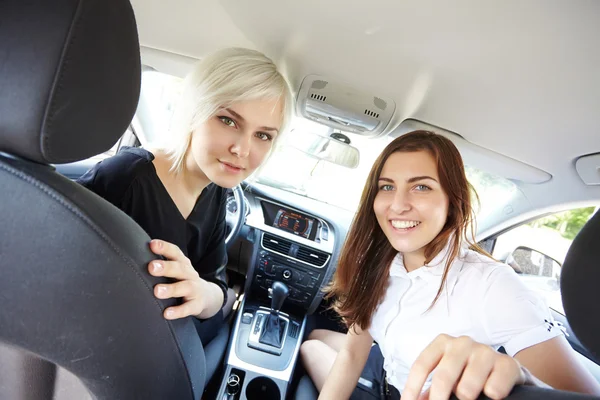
pixel 404 224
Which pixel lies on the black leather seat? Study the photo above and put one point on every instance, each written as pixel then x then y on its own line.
pixel 76 300
pixel 579 281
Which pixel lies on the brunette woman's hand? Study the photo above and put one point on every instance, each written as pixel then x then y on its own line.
pixel 464 367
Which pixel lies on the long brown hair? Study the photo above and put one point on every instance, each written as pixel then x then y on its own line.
pixel 361 277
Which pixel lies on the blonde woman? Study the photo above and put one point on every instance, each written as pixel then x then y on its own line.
pixel 234 107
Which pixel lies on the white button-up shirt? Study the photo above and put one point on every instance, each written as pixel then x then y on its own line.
pixel 482 299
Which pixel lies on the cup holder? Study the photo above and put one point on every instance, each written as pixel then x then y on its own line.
pixel 262 388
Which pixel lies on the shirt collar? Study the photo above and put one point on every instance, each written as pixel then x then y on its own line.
pixel 434 270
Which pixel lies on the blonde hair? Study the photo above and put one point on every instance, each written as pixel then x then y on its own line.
pixel 220 79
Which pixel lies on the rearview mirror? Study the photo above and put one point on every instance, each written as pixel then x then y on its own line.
pixel 335 149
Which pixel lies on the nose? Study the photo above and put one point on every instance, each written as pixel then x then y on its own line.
pixel 241 147
pixel 400 202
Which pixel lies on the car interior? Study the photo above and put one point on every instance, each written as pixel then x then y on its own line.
pixel 514 85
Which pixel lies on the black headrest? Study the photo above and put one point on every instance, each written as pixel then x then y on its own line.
pixel 69 77
pixel 579 282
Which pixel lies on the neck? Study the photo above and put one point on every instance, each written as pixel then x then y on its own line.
pixel 414 260
pixel 191 180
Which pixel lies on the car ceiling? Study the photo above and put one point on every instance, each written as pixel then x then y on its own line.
pixel 520 78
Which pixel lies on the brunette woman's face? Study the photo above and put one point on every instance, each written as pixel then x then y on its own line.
pixel 411 207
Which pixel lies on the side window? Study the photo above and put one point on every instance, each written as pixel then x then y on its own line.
pixel 128 139
pixel 537 250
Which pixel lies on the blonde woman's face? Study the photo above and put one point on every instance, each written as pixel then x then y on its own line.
pixel 232 144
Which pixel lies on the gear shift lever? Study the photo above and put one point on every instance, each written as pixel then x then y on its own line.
pixel 274 327
pixel 279 292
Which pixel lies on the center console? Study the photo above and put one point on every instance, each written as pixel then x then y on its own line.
pixel 261 369
pixel 289 266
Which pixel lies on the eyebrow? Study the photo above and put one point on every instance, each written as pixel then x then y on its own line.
pixel 242 119
pixel 411 180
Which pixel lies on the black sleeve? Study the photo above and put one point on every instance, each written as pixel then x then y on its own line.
pixel 217 254
pixel 109 179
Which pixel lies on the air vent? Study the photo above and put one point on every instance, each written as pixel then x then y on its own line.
pixel 371 114
pixel 318 97
pixel 312 257
pixel 276 244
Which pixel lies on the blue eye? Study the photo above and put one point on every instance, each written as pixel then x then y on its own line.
pixel 228 121
pixel 422 188
pixel 386 188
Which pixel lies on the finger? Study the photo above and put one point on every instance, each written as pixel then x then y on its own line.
pixel 475 375
pixel 181 311
pixel 505 374
pixel 167 250
pixel 178 289
pixel 172 269
pixel 450 368
pixel 422 367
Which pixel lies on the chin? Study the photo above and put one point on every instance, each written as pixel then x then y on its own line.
pixel 406 246
pixel 225 182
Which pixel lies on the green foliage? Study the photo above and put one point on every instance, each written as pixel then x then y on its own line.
pixel 568 223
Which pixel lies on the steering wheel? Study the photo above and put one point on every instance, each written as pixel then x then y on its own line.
pixel 236 214
pixel 521 392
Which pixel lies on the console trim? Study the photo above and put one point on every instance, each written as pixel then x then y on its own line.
pixel 234 361
pixel 254 339
pixel 256 219
pixel 262 238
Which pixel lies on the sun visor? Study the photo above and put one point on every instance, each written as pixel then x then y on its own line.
pixel 588 168
pixel 481 157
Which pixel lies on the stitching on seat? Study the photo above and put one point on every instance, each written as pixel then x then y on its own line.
pixel 54 195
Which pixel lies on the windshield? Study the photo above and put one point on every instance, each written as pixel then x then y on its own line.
pixel 295 171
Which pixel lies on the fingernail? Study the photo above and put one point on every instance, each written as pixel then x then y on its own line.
pixel 169 314
pixel 161 290
pixel 157 243
pixel 157 266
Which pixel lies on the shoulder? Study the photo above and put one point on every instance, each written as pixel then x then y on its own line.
pixel 111 177
pixel 483 268
pixel 490 278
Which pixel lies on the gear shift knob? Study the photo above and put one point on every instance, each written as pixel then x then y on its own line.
pixel 280 292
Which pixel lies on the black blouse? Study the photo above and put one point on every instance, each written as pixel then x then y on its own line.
pixel 130 182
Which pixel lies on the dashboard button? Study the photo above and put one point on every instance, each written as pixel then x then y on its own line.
pixel 287 274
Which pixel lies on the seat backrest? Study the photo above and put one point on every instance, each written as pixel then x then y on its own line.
pixel 76 299
pixel 579 285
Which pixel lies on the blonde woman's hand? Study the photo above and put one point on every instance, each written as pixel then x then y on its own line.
pixel 189 286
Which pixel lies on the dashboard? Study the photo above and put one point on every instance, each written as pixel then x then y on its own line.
pixel 293 221
pixel 287 238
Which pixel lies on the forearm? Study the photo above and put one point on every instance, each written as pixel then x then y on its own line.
pixel 213 297
pixel 343 377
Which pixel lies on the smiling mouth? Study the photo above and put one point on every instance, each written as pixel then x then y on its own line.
pixel 404 225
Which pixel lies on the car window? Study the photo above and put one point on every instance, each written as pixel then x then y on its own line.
pixel 537 250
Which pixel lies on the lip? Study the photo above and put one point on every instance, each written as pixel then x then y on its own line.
pixel 229 167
